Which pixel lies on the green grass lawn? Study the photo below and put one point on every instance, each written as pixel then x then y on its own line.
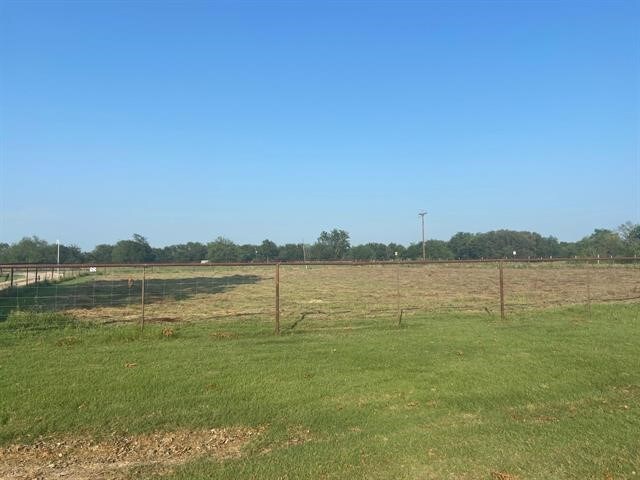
pixel 551 395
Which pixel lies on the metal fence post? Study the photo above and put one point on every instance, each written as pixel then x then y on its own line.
pixel 589 289
pixel 11 280
pixel 398 293
pixel 501 291
pixel 17 297
pixel 144 268
pixel 277 299
pixel 37 300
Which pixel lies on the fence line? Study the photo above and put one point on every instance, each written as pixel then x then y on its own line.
pixel 205 263
pixel 315 293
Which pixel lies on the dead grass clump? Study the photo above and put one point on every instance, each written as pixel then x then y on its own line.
pixel 503 476
pixel 298 435
pixel 67 341
pixel 222 335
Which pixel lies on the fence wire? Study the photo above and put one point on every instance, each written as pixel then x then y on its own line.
pixel 310 296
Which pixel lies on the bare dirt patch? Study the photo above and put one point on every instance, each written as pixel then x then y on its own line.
pixel 81 458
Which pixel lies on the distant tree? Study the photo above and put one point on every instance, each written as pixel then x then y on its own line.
pixel 378 252
pixel 461 245
pixel 137 250
pixel 502 244
pixel 4 251
pixel 549 247
pixel 222 250
pixel 291 252
pixel 435 250
pixel 127 251
pixel 567 249
pixel 268 250
pixel 321 251
pixel 101 254
pixel 333 245
pixel 181 253
pixel 190 252
pixel 31 250
pixel 363 252
pixel 247 252
pixel 601 242
pixel 394 248
pixel 71 254
pixel 165 254
pixel 630 234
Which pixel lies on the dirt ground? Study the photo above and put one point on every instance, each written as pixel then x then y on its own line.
pixel 80 458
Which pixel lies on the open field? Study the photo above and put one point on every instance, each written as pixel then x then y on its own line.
pixel 320 296
pixel 543 395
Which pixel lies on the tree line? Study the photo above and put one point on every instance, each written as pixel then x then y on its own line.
pixel 334 245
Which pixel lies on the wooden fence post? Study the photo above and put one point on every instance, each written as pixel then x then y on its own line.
pixel 501 291
pixel 277 299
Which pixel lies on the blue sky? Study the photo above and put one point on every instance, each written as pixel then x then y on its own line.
pixel 190 120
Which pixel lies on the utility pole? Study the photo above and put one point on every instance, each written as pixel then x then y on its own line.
pixel 304 255
pixel 424 251
pixel 58 243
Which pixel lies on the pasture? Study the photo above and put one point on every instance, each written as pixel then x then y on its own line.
pixel 319 296
pixel 207 391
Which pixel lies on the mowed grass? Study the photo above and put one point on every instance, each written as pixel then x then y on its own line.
pixel 328 295
pixel 549 395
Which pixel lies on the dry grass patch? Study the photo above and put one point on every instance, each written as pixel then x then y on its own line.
pixel 503 476
pixel 325 296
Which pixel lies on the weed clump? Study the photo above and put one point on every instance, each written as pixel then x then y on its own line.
pixel 38 321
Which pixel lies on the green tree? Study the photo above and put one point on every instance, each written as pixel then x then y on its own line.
pixel 392 249
pixel 461 245
pixel 222 250
pixel 190 252
pixel 362 252
pixel 71 254
pixel 291 252
pixel 4 252
pixel 601 242
pixel 101 254
pixel 247 252
pixel 435 250
pixel 137 250
pixel 333 245
pixel 630 234
pixel 182 253
pixel 268 250
pixel 31 250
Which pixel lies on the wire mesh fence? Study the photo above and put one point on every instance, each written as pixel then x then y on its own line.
pixel 311 296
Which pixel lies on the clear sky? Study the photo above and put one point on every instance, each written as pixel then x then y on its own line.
pixel 190 120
